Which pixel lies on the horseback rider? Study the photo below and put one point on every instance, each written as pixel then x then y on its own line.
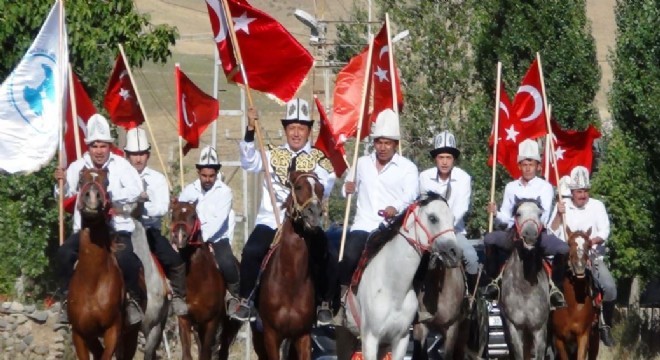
pixel 124 189
pixel 297 128
pixel 216 217
pixel 156 200
pixel 530 186
pixel 455 185
pixel 385 184
pixel 583 213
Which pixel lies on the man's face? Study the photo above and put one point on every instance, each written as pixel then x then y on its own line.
pixel 207 177
pixel 528 168
pixel 385 149
pixel 580 197
pixel 99 152
pixel 444 163
pixel 296 135
pixel 138 160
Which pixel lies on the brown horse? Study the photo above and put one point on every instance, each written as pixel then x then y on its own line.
pixel 574 327
pixel 286 296
pixel 205 287
pixel 96 292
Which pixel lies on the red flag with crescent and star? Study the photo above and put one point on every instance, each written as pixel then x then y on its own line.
pixel 120 99
pixel 195 110
pixel 382 78
pixel 327 142
pixel 572 148
pixel 508 140
pixel 274 61
pixel 528 109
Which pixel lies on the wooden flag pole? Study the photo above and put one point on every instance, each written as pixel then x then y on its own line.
pixel 146 119
pixel 60 155
pixel 74 113
pixel 262 150
pixel 181 162
pixel 363 105
pixel 390 54
pixel 550 136
pixel 177 69
pixel 496 135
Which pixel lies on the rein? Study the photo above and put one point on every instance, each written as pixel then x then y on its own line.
pixel 297 207
pixel 194 231
pixel 86 186
pixel 519 227
pixel 414 242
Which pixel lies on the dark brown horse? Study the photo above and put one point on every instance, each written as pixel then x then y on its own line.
pixel 205 287
pixel 574 327
pixel 96 293
pixel 286 296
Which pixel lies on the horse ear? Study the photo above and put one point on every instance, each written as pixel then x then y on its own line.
pixel 516 199
pixel 589 233
pixel 569 232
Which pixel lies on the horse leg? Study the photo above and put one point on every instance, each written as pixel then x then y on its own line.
pixel 583 346
pixel 207 338
pixel 111 340
pixel 82 352
pixel 129 343
pixel 594 343
pixel 152 341
pixel 420 332
pixel 272 342
pixel 560 347
pixel 258 343
pixel 370 347
pixel 184 335
pixel 451 337
pixel 230 329
pixel 303 345
pixel 399 348
pixel 539 342
pixel 516 346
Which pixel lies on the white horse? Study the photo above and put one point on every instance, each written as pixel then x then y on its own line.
pixel 386 304
pixel 155 316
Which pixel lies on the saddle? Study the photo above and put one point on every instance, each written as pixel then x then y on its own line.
pixel 376 240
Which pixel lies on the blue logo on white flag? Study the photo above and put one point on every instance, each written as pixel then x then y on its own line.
pixel 34 98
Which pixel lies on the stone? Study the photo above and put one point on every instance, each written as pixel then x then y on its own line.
pixel 28 339
pixel 39 316
pixel 3 324
pixel 41 350
pixel 22 331
pixel 57 347
pixel 16 307
pixel 20 319
pixel 20 347
pixel 5 306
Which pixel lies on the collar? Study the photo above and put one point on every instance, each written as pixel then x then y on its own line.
pixel 90 164
pixel 395 159
pixel 572 205
pixel 535 179
pixel 438 179
pixel 197 184
pixel 307 148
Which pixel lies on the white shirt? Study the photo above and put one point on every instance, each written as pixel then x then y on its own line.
pixel 534 188
pixel 459 196
pixel 159 198
pixel 251 162
pixel 396 185
pixel 592 215
pixel 124 187
pixel 213 208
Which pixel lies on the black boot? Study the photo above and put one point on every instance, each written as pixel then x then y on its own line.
pixel 134 313
pixel 340 318
pixel 178 284
pixel 62 296
pixel 471 283
pixel 606 326
pixel 557 300
pixel 492 270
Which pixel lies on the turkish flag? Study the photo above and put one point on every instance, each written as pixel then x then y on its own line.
pixel 572 148
pixel 528 107
pixel 120 98
pixel 327 142
pixel 195 110
pixel 274 61
pixel 382 76
pixel 508 140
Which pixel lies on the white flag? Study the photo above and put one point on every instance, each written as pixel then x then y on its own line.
pixel 32 99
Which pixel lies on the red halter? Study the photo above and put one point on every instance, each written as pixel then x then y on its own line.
pixel 85 187
pixel 194 230
pixel 414 242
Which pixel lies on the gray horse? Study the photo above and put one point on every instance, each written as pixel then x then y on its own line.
pixel 155 316
pixel 444 297
pixel 525 300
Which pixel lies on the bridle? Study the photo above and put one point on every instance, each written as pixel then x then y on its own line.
pixel 519 226
pixel 413 241
pixel 87 186
pixel 297 208
pixel 192 230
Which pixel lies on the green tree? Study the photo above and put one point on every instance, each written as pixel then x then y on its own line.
pixel 629 174
pixel 29 211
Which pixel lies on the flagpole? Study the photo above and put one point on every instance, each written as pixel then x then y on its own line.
pixel 546 160
pixel 262 151
pixel 74 113
pixel 146 119
pixel 60 182
pixel 496 135
pixel 390 54
pixel 181 161
pixel 177 69
pixel 552 145
pixel 216 70
pixel 365 88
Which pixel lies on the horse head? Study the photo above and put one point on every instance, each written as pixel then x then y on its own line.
pixel 527 217
pixel 304 202
pixel 579 243
pixel 93 199
pixel 185 224
pixel 433 227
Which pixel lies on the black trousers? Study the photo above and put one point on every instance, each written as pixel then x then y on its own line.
pixel 129 263
pixel 162 249
pixel 355 243
pixel 226 261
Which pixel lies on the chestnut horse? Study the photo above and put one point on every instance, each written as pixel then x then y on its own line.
pixel 286 295
pixel 574 327
pixel 96 293
pixel 205 288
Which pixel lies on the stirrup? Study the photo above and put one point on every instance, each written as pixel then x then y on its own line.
pixel 134 314
pixel 493 284
pixel 561 300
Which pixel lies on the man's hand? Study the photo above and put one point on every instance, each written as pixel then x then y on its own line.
pixel 561 207
pixel 492 208
pixel 60 174
pixel 597 240
pixel 388 213
pixel 349 187
pixel 253 116
pixel 144 197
